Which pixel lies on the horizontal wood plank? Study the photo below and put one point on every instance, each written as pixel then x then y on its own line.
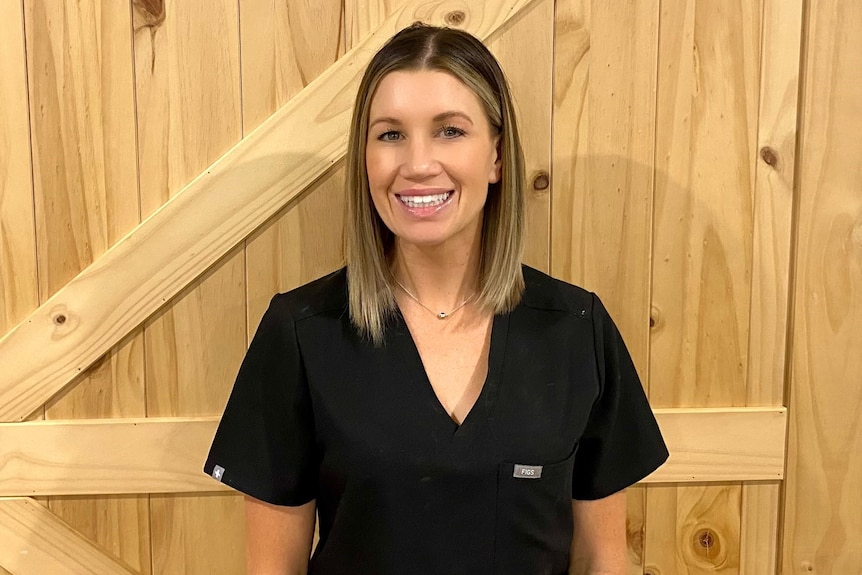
pixel 217 210
pixel 34 541
pixel 166 455
pixel 716 444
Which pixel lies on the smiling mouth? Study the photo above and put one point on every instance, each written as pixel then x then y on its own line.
pixel 429 201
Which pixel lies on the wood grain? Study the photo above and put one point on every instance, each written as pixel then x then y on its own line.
pixel 82 110
pixel 604 120
pixel 525 51
pixel 603 143
pixel 33 541
pixel 706 149
pixel 770 279
pixel 82 115
pixel 823 494
pixel 189 113
pixel 196 227
pixel 18 278
pixel 56 457
pixel 303 241
pixel 692 530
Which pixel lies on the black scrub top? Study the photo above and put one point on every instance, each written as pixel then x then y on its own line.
pixel 319 413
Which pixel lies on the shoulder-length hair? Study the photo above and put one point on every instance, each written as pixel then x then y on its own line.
pixel 368 243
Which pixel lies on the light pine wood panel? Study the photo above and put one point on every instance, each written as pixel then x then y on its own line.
pixel 56 457
pixel 33 541
pixel 303 241
pixel 823 497
pixel 82 116
pixel 18 286
pixel 362 17
pixel 603 139
pixel 692 530
pixel 770 280
pixel 706 149
pixel 525 51
pixel 82 110
pixel 194 228
pixel 187 60
pixel 604 119
pixel 112 388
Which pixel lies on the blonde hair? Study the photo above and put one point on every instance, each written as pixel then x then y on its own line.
pixel 368 243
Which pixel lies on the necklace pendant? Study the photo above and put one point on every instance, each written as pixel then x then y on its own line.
pixel 442 315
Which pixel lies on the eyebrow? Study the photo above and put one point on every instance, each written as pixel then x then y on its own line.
pixel 438 118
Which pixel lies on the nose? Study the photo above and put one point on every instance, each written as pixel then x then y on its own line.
pixel 419 161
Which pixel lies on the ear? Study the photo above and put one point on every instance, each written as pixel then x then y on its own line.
pixel 497 166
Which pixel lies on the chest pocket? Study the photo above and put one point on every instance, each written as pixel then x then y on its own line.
pixel 533 531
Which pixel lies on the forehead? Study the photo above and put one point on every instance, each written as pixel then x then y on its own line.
pixel 417 92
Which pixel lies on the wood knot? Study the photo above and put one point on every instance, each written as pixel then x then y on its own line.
pixel 541 181
pixel 59 319
pixel 654 318
pixel 769 156
pixel 149 13
pixel 706 538
pixel 455 18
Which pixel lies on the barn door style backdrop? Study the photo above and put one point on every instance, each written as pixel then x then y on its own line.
pixel 168 165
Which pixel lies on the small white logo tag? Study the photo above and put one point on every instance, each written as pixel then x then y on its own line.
pixel 218 472
pixel 527 471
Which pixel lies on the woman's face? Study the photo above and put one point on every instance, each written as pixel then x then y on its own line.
pixel 430 156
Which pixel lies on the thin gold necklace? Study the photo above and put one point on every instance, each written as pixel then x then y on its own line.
pixel 439 314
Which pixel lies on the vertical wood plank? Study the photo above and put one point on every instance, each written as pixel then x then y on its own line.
pixel 83 125
pixel 692 530
pixel 525 51
pixel 18 288
pixel 603 156
pixel 603 146
pixel 279 58
pixel 189 113
pixel 706 137
pixel 822 522
pixel 770 280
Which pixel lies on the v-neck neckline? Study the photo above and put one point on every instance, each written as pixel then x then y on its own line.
pixel 414 371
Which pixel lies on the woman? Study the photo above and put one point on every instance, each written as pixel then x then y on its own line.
pixel 442 408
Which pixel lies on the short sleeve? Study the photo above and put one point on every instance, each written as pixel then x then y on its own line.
pixel 622 443
pixel 264 444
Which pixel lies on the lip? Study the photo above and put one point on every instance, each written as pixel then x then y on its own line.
pixel 424 212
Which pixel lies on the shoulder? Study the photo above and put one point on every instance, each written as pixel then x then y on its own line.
pixel 328 293
pixel 544 292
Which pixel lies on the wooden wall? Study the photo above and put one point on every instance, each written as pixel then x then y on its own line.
pixel 694 162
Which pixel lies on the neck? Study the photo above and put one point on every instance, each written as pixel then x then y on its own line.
pixel 440 277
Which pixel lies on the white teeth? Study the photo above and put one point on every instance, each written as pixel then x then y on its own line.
pixel 424 201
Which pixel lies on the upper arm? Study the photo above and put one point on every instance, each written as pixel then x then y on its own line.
pixel 599 541
pixel 278 538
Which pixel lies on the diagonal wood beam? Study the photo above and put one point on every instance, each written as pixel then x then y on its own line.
pixel 34 541
pixel 202 223
pixel 47 458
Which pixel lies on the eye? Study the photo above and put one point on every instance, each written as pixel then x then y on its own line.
pixel 451 132
pixel 390 136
